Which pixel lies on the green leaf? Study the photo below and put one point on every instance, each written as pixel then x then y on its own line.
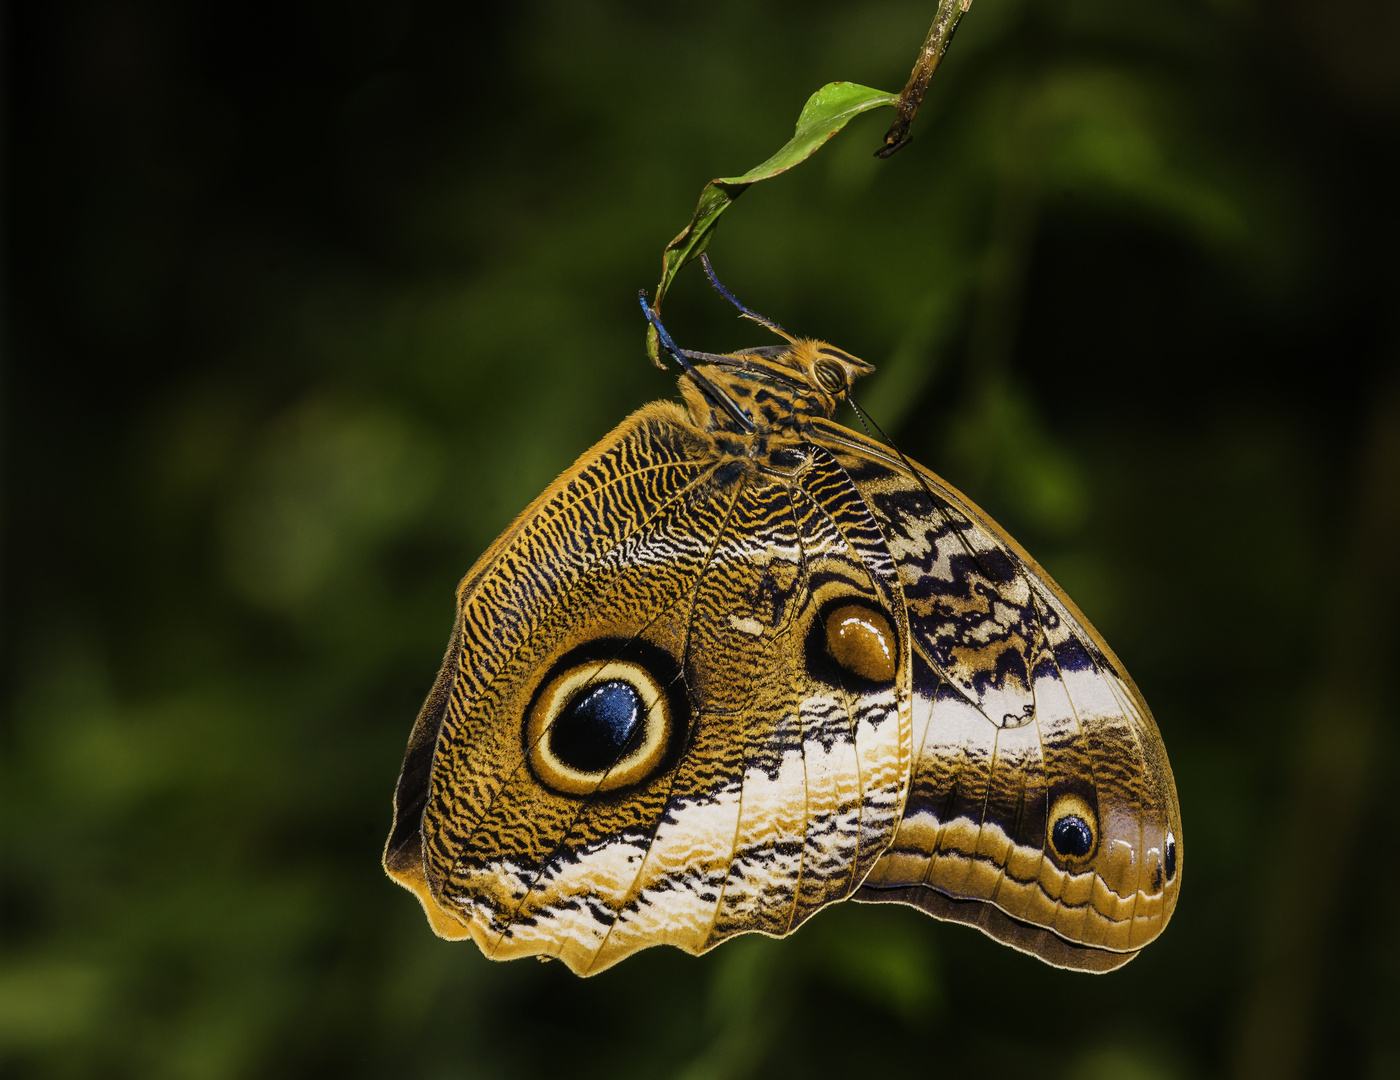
pixel 827 111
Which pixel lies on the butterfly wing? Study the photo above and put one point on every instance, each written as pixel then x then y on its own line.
pixel 1042 808
pixel 741 614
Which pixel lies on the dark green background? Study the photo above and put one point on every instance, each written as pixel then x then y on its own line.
pixel 304 301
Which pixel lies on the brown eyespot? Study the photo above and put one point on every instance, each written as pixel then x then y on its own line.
pixel 598 725
pixel 830 376
pixel 1073 829
pixel 851 639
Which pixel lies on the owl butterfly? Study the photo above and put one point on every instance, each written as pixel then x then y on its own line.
pixel 740 662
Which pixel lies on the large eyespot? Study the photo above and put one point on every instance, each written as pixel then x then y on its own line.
pixel 1073 829
pixel 852 643
pixel 830 376
pixel 1170 858
pixel 600 723
pixel 603 719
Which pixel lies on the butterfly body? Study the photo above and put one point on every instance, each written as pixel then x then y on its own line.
pixel 740 662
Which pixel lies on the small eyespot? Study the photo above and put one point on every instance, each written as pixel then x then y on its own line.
pixel 861 640
pixel 830 376
pixel 1073 836
pixel 598 725
pixel 850 644
pixel 1171 856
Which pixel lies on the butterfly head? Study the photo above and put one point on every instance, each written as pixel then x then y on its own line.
pixel 811 367
pixel 776 386
pixel 769 387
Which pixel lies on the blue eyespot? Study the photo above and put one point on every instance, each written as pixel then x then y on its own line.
pixel 609 715
pixel 1072 837
pixel 1171 856
pixel 593 732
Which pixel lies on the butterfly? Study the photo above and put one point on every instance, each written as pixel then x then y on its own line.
pixel 740 662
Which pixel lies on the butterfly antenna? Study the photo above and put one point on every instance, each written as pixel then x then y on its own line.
pixel 716 395
pixel 865 421
pixel 745 312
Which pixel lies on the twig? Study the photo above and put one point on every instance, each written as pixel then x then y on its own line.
pixel 935 45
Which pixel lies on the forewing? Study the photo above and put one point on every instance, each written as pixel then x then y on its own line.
pixel 1023 718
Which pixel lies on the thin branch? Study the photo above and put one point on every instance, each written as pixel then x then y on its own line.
pixel 940 34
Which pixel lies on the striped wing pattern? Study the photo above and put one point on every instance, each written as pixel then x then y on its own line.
pixel 722 674
pixel 789 784
pixel 1018 707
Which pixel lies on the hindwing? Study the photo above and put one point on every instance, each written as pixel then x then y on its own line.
pixel 676 707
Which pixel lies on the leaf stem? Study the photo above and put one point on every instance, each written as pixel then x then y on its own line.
pixel 940 34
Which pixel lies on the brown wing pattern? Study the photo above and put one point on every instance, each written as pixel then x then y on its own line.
pixel 767 776
pixel 726 671
pixel 1025 726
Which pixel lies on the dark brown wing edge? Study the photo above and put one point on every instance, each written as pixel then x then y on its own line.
pixel 403 851
pixel 996 924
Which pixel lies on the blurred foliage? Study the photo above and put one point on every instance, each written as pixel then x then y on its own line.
pixel 826 112
pixel 305 301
